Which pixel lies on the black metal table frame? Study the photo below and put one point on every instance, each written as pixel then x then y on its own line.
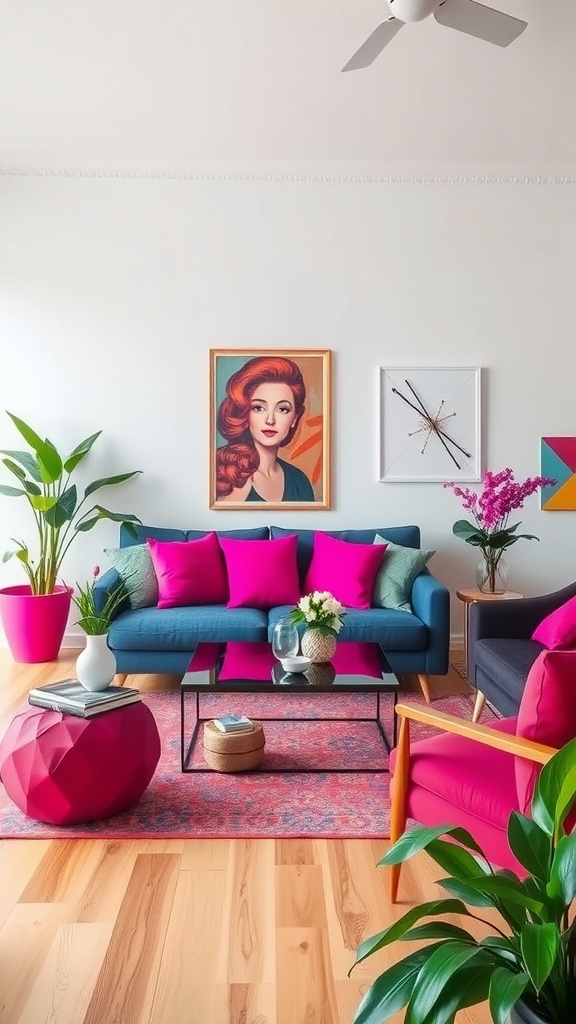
pixel 186 751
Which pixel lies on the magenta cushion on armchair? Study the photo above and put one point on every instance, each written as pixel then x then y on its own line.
pixel 346 570
pixel 559 628
pixel 262 573
pixel 547 713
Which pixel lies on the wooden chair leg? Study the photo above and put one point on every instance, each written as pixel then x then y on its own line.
pixel 120 678
pixel 424 681
pixel 399 798
pixel 478 706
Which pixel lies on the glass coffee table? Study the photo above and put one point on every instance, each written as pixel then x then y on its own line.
pixel 249 668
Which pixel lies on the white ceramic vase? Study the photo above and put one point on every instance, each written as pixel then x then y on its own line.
pixel 317 646
pixel 96 664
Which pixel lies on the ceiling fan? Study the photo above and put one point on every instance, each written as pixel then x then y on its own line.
pixel 463 15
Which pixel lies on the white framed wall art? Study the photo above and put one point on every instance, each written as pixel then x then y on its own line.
pixel 430 424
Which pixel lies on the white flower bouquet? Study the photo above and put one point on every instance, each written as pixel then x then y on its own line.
pixel 320 611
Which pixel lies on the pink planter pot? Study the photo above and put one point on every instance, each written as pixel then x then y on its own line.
pixel 34 624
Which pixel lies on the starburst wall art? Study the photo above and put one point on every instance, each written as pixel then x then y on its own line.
pixel 429 424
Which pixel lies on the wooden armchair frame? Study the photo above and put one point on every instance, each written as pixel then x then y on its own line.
pixel 447 723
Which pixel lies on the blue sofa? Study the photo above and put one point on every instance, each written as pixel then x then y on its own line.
pixel 150 640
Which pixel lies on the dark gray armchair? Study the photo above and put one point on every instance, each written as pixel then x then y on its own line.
pixel 500 651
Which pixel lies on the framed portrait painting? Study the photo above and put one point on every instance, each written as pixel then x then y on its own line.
pixel 430 423
pixel 270 428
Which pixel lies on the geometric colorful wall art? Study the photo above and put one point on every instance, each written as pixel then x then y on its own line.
pixel 558 460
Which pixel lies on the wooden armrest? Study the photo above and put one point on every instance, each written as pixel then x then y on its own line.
pixel 480 733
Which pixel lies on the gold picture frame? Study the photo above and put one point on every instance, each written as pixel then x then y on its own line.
pixel 292 417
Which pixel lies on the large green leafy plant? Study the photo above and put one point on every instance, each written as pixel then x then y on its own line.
pixel 44 480
pixel 532 951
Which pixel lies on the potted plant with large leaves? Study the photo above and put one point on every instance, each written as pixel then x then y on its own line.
pixel 34 615
pixel 526 968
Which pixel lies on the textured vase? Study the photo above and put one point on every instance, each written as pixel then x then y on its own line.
pixel 492 574
pixel 96 664
pixel 34 624
pixel 317 646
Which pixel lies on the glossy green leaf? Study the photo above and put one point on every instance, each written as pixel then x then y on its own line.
pixel 458 861
pixel 435 976
pixel 14 468
pixel 529 844
pixel 63 511
pixel 398 928
pixel 420 837
pixel 506 888
pixel 12 492
pixel 391 990
pixel 27 461
pixel 80 452
pixel 539 945
pixel 42 502
pixel 562 884
pixel 467 986
pixel 505 991
pixel 109 481
pixel 49 461
pixel 467 892
pixel 437 930
pixel 555 789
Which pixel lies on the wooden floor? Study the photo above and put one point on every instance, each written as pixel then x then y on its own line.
pixel 191 931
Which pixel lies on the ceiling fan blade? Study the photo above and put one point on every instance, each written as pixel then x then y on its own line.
pixel 374 45
pixel 480 21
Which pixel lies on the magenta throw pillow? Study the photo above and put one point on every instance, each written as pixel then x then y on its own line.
pixel 189 572
pixel 559 628
pixel 346 570
pixel 547 713
pixel 261 573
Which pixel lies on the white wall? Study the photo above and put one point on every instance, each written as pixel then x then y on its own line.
pixel 178 176
pixel 114 290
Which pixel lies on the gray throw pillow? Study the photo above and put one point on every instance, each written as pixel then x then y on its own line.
pixel 400 567
pixel 134 566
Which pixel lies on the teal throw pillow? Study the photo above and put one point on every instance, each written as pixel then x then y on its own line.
pixel 134 566
pixel 400 567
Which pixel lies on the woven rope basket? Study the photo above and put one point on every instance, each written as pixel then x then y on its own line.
pixel 233 752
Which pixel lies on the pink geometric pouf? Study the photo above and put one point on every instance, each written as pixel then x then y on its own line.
pixel 63 770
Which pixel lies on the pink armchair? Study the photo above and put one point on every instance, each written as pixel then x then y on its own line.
pixel 473 775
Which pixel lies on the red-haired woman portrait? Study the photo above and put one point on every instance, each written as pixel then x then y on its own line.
pixel 274 445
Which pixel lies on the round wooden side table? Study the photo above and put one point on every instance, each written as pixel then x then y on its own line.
pixel 468 595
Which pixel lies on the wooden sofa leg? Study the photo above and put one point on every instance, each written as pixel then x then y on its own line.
pixel 120 678
pixel 399 798
pixel 424 681
pixel 478 705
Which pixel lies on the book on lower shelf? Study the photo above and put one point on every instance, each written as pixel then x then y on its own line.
pixel 71 698
pixel 234 723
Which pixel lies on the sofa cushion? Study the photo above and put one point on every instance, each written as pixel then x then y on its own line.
pixel 134 567
pixel 261 574
pixel 345 570
pixel 400 567
pixel 407 535
pixel 547 712
pixel 181 629
pixel 394 631
pixel 190 572
pixel 558 629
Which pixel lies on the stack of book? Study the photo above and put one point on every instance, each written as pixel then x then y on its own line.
pixel 70 697
pixel 234 723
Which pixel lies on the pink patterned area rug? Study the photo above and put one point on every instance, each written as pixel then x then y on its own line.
pixel 256 804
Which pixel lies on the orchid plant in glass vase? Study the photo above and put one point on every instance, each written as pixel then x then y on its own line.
pixel 491 509
pixel 322 615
